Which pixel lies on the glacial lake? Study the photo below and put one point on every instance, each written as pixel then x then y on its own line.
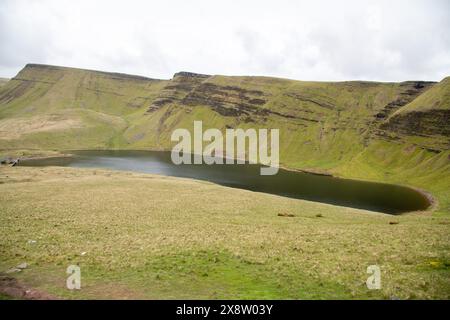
pixel 386 198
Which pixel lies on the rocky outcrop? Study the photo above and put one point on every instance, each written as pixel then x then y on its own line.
pixel 177 89
pixel 186 74
pixel 228 101
pixel 410 91
pixel 394 123
pixel 190 90
pixel 420 123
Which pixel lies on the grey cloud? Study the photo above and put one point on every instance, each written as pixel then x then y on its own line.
pixel 323 40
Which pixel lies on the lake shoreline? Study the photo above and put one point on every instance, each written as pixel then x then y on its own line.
pixel 432 201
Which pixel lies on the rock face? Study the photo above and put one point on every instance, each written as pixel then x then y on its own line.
pixel 229 101
pixel 425 115
pixel 411 90
pixel 420 123
pixel 190 90
pixel 313 104
pixel 177 89
pixel 186 74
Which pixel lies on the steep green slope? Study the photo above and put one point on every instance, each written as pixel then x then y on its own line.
pixel 394 132
pixel 54 107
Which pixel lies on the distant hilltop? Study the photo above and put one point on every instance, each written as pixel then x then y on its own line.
pixel 190 75
pixel 111 74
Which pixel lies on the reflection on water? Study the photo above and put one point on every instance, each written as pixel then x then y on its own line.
pixel 351 193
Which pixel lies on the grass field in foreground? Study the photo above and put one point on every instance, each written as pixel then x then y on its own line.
pixel 148 236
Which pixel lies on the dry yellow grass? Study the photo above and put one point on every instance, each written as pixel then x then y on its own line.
pixel 148 236
pixel 14 128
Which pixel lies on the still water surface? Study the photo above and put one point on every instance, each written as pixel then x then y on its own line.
pixel 380 197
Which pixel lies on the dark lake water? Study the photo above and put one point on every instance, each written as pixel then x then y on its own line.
pixel 380 197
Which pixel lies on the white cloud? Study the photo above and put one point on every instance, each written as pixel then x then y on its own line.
pixel 320 40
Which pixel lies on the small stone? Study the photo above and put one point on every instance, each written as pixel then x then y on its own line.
pixel 83 253
pixel 22 266
pixel 393 222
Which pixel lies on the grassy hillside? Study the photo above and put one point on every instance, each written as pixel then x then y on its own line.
pixel 3 81
pixel 394 132
pixel 53 107
pixel 133 239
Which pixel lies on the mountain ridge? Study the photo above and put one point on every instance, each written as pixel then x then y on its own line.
pixel 192 73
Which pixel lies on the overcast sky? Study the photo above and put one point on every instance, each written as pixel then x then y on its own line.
pixel 307 40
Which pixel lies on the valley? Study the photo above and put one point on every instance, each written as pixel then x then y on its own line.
pixel 150 236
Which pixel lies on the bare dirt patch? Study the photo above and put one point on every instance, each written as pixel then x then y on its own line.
pixel 12 287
